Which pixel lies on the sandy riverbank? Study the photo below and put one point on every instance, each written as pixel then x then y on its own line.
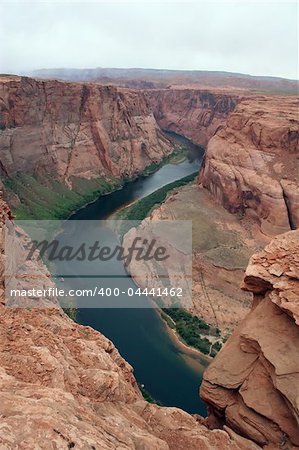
pixel 191 355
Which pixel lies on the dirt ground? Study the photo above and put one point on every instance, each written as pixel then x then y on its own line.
pixel 222 246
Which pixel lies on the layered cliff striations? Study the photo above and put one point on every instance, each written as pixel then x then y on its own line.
pixel 252 163
pixel 77 130
pixel 74 130
pixel 63 144
pixel 253 384
pixel 194 113
pixel 82 134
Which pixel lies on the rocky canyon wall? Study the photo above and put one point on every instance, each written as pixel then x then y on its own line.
pixel 65 386
pixel 253 383
pixel 194 113
pixel 252 162
pixel 76 130
pixel 88 130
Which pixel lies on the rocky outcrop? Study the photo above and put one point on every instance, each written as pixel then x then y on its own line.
pixel 66 386
pixel 73 130
pixel 252 163
pixel 194 113
pixel 253 384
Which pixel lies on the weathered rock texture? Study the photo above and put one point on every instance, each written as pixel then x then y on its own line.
pixel 62 144
pixel 88 130
pixel 76 130
pixel 222 246
pixel 66 386
pixel 253 384
pixel 71 131
pixel 194 113
pixel 252 163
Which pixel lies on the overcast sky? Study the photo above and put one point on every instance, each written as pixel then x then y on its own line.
pixel 259 38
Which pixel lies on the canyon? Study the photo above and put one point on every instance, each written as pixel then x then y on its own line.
pixel 86 133
pixel 194 113
pixel 87 130
pixel 78 140
pixel 70 136
pixel 67 385
pixel 250 168
pixel 75 131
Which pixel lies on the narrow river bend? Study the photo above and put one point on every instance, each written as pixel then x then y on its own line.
pixel 170 372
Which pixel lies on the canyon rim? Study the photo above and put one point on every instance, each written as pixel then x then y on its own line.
pixel 204 165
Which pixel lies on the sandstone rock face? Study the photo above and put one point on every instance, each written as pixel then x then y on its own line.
pixel 252 162
pixel 76 130
pixel 194 113
pixel 87 130
pixel 66 386
pixel 253 383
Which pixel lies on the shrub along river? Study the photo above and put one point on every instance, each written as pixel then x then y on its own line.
pixel 169 371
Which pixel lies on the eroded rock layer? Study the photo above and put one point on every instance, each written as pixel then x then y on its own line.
pixel 88 130
pixel 194 113
pixel 253 384
pixel 76 130
pixel 252 163
pixel 66 386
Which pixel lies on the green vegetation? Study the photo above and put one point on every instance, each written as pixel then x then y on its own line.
pixel 50 199
pixel 71 312
pixel 147 396
pixel 192 329
pixel 46 198
pixel 216 347
pixel 140 209
pixel 178 155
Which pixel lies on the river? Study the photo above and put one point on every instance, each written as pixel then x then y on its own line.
pixel 170 372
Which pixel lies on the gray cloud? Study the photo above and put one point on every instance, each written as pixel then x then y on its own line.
pixel 260 38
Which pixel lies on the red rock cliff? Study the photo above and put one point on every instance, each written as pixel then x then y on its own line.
pixel 253 383
pixel 194 113
pixel 76 130
pixel 66 386
pixel 88 130
pixel 252 163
